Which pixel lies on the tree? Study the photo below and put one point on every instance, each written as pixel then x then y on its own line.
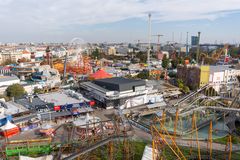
pixel 143 75
pixel 165 61
pixel 142 56
pixel 5 97
pixel 95 54
pixel 22 60
pixel 8 62
pixel 180 83
pixel 15 90
pixel 180 60
pixel 186 89
pixel 38 90
pixel 174 63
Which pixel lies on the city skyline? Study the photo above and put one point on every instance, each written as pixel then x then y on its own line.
pixel 118 21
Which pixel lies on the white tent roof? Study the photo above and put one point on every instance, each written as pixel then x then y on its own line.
pixel 147 154
pixel 81 121
pixel 50 157
pixel 8 126
pixel 46 126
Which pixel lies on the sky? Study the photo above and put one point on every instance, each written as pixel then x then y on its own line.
pixel 119 20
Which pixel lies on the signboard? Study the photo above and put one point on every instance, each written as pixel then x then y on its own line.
pixel 139 88
pixel 57 108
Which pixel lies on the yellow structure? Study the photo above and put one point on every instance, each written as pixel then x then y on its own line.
pixel 204 75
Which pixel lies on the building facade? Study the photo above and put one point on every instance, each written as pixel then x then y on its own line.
pixel 113 92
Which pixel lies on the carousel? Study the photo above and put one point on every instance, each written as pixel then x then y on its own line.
pixel 46 130
pixel 87 125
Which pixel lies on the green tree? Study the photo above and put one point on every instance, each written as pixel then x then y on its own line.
pixel 5 97
pixel 143 75
pixel 15 90
pixel 174 63
pixel 165 61
pixel 186 89
pixel 180 60
pixel 95 54
pixel 8 62
pixel 142 56
pixel 38 90
pixel 180 83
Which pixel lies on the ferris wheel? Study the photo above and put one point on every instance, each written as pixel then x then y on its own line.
pixel 80 65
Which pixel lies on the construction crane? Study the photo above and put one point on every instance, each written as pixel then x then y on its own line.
pixel 158 36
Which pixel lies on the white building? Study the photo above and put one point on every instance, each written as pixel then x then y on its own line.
pixel 8 80
pixel 223 75
pixel 112 51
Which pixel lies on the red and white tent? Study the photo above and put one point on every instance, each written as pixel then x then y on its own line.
pixel 100 74
pixel 9 129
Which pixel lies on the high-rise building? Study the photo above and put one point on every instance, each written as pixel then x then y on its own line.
pixel 194 40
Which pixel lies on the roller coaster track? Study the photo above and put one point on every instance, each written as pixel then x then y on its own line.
pixel 95 146
pixel 190 95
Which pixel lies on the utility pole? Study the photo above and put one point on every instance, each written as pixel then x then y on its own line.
pixel 149 40
pixel 198 47
pixel 187 45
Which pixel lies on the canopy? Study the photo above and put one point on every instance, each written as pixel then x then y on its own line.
pixel 46 126
pixel 49 157
pixel 100 74
pixel 8 126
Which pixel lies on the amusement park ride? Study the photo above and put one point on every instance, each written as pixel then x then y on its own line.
pixel 165 140
pixel 74 62
pixel 77 141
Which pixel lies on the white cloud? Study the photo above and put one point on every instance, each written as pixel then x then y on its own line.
pixel 67 12
pixel 48 15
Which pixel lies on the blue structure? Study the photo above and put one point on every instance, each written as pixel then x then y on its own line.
pixel 3 120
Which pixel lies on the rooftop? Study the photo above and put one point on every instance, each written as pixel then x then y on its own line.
pixel 219 68
pixel 118 80
pixel 30 105
pixel 119 83
pixel 8 78
pixel 58 98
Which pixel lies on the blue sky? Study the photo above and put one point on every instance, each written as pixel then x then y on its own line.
pixel 118 20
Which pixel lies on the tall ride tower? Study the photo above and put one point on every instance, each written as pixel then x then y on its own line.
pixel 149 41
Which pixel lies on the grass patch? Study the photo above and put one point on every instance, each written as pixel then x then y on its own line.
pixel 135 152
pixel 216 155
pixel 223 140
